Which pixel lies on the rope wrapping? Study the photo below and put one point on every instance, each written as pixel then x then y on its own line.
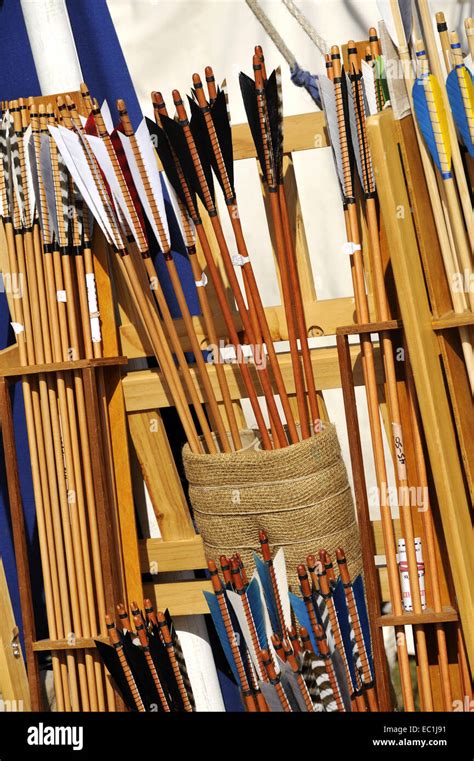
pixel 299 495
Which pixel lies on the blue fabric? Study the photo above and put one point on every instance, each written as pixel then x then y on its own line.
pixel 17 73
pixel 102 61
pixel 302 78
pixel 106 73
pixel 17 79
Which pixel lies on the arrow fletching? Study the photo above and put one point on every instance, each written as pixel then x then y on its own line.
pixel 432 121
pixel 370 86
pixel 358 589
pixel 222 634
pixel 299 609
pixel 265 580
pixel 460 88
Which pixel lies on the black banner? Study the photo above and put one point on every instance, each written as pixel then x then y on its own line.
pixel 96 736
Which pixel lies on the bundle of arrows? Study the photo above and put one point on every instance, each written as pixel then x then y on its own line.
pixel 345 99
pixel 55 317
pixel 376 77
pixel 146 661
pixel 114 171
pixel 290 653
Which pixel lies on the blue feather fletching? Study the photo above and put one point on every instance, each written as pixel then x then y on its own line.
pixel 457 107
pixel 342 613
pixel 358 589
pixel 221 633
pixel 256 606
pixel 264 576
pixel 423 119
pixel 299 608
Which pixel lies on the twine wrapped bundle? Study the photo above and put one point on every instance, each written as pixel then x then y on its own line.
pixel 299 495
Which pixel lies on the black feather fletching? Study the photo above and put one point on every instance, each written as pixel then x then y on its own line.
pixel 167 159
pixel 141 673
pixel 247 88
pixel 220 117
pixel 165 670
pixel 347 126
pixel 111 661
pixel 177 140
pixel 275 120
pixel 203 145
pixel 180 659
pixel 366 161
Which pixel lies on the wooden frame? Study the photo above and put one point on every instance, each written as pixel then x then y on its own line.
pixel 392 144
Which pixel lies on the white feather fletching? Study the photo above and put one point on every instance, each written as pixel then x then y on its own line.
pixel 176 207
pixel 328 99
pixel 100 152
pixel 268 625
pixel 353 126
pixel 279 564
pixel 141 190
pixel 107 117
pixel 29 190
pixel 368 80
pixel 148 154
pixel 72 150
pixel 48 184
pixel 238 607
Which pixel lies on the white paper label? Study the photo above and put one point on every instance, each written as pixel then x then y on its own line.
pixel 93 308
pixel 17 327
pixel 349 248
pixel 202 282
pixel 238 260
pixel 61 296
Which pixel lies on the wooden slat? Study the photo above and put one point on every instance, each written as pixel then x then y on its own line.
pixel 424 352
pixel 79 643
pixel 13 679
pixel 160 475
pixel 10 357
pixel 303 132
pixel 460 390
pixel 322 318
pixel 423 218
pixel 147 389
pixel 453 320
pixel 428 616
pixel 53 367
pixel 369 327
pixel 157 556
pixel 181 598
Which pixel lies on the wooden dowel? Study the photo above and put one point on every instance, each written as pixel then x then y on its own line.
pixel 175 281
pixel 370 382
pixel 282 254
pixel 160 110
pixel 247 270
pixel 279 438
